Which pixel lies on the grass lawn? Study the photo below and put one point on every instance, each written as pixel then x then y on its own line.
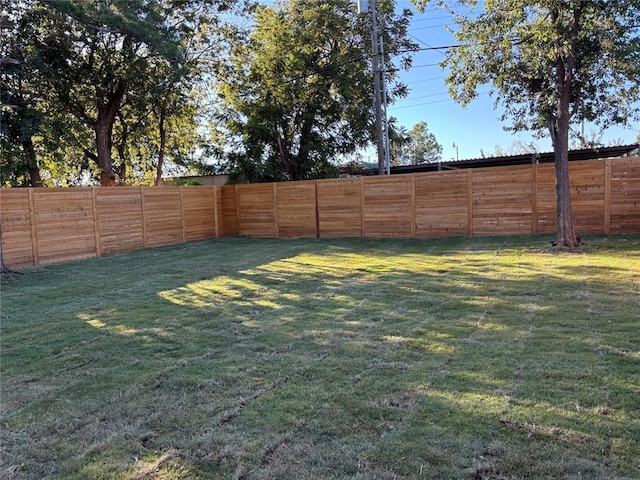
pixel 483 358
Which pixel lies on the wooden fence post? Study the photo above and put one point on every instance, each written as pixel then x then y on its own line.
pixel 34 228
pixel 607 196
pixel 275 210
pixel 96 221
pixel 534 198
pixel 215 211
pixel 413 205
pixel 469 203
pixel 315 184
pixel 143 208
pixel 362 216
pixel 184 235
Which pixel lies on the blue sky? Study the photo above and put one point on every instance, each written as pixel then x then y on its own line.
pixel 474 128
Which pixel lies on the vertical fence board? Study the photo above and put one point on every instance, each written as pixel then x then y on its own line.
pixel 607 196
pixel 34 231
pixel 217 210
pixel 534 198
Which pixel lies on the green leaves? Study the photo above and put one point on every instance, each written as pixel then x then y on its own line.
pixel 297 94
pixel 518 46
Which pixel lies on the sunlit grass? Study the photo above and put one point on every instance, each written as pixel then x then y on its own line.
pixel 241 358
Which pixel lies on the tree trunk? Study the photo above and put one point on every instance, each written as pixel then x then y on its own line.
pixel 558 124
pixel 163 143
pixel 34 171
pixel 108 105
pixel 103 128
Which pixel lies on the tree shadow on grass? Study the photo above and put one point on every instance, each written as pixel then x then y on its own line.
pixel 383 363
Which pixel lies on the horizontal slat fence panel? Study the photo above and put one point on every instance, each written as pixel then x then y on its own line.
pixel 43 225
pixel 163 216
pixel 587 195
pixel 257 210
pixel 441 204
pixel 546 198
pixel 229 211
pixel 625 196
pixel 340 207
pixel 120 219
pixel 198 212
pixel 64 224
pixel 502 200
pixel 296 209
pixel 388 210
pixel 17 240
pixel 54 225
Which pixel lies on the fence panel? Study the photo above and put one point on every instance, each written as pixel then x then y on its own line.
pixel 546 198
pixel 502 200
pixel 388 206
pixel 162 216
pixel 625 196
pixel 296 209
pixel 64 224
pixel 441 204
pixel 256 204
pixel 229 211
pixel 17 241
pixel 120 219
pixel 587 195
pixel 198 212
pixel 340 207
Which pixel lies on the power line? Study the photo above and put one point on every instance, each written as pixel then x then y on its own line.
pixel 393 107
pixel 426 80
pixel 423 96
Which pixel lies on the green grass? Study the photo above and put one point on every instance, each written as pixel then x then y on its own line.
pixel 484 358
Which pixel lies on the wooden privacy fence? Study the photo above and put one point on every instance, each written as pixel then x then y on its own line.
pixel 47 225
pixel 53 225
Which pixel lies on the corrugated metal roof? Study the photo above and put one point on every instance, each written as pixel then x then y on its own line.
pixel 526 159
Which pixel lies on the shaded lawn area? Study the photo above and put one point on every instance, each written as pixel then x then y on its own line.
pixel 483 358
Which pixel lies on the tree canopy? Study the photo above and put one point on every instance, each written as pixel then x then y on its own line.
pixel 93 75
pixel 550 63
pixel 297 93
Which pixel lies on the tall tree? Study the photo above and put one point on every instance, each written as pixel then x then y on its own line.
pixel 296 95
pixel 398 142
pixel 413 147
pixel 423 146
pixel 108 66
pixel 550 63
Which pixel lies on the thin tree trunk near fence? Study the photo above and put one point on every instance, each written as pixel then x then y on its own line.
pixel 163 143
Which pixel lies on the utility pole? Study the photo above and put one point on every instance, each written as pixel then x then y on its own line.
pixel 387 159
pixel 382 133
